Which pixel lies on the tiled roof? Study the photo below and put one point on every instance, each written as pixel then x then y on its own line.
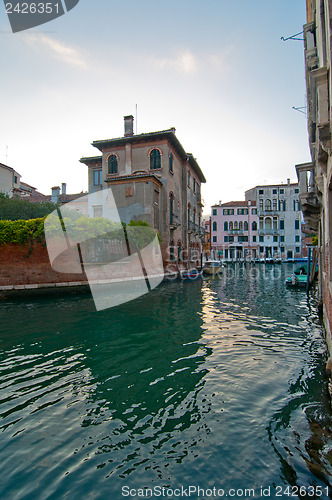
pixel 236 204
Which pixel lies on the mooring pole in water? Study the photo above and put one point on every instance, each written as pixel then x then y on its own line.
pixel 308 267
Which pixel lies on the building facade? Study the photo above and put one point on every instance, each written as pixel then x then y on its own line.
pixel 279 220
pixel 234 231
pixel 152 179
pixel 315 177
pixel 9 180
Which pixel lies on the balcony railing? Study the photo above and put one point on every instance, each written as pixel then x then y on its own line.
pixel 236 231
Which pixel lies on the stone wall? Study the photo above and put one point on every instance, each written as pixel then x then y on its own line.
pixel 17 267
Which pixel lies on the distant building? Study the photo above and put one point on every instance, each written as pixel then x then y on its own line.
pixel 9 180
pixel 279 220
pixel 234 230
pixel 155 180
pixel 206 227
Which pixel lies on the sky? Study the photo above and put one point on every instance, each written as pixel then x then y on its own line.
pixel 215 70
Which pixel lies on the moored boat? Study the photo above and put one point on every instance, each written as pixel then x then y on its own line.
pixel 191 274
pixel 212 267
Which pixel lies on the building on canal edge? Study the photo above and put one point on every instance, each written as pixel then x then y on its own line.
pixel 152 179
pixel 266 225
pixel 315 177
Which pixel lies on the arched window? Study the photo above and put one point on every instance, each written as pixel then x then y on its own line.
pixel 188 215
pixel 268 205
pixel 112 162
pixel 245 225
pixel 254 226
pixel 268 223
pixel 155 159
pixel 231 226
pixel 214 226
pixel 225 226
pixel 241 225
pixel 235 225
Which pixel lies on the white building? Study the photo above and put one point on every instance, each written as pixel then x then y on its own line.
pixel 279 214
pixel 9 180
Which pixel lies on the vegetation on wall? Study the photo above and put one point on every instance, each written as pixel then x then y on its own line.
pixel 15 209
pixel 138 233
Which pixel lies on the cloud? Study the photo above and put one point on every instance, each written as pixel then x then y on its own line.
pixel 59 50
pixel 183 62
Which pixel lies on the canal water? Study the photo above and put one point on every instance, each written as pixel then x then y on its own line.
pixel 217 384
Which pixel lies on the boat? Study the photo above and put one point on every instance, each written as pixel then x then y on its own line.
pixel 191 274
pixel 299 278
pixel 212 267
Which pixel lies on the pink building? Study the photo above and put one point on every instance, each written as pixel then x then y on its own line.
pixel 234 231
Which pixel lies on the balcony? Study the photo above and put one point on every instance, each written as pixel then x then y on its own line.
pixel 268 231
pixel 309 198
pixel 174 222
pixel 195 228
pixel 236 231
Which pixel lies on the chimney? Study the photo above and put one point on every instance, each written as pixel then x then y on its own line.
pixel 63 188
pixel 128 125
pixel 288 182
pixel 55 194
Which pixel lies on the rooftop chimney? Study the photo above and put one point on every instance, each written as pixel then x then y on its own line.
pixel 128 125
pixel 63 188
pixel 288 182
pixel 55 194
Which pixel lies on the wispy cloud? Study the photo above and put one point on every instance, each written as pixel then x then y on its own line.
pixel 59 50
pixel 183 62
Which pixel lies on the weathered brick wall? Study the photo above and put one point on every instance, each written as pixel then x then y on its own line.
pixel 17 267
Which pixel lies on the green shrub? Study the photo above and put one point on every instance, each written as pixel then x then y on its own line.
pixel 19 209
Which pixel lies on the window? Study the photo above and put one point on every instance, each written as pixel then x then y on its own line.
pixel 170 162
pixel 274 191
pixel 97 177
pixel 155 159
pixel 261 191
pixel 275 222
pixel 171 208
pixel 245 225
pixel 296 204
pixel 194 185
pixel 261 249
pixel 188 215
pixel 275 205
pixel 235 225
pixel 15 179
pixel 297 238
pixel 296 190
pixel 243 239
pixel 275 239
pixel 254 226
pixel 254 239
pixel 214 239
pixel 188 179
pixel 268 205
pixel 231 239
pixel 225 226
pixel 282 224
pixel 261 204
pixel 282 249
pixel 261 223
pixel 254 211
pixel 226 239
pixel 268 223
pixel 297 224
pixel 297 249
pixel 229 211
pixel 241 225
pixel 98 211
pixel 112 162
pixel 242 211
pixel 282 191
pixel 231 226
pixel 282 239
pixel 261 239
pixel 214 211
pixel 214 226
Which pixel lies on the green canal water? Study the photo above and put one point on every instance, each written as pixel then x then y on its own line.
pixel 218 384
